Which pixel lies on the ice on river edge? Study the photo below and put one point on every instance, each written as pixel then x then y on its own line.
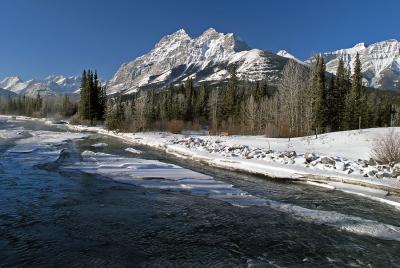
pixel 40 147
pixel 159 175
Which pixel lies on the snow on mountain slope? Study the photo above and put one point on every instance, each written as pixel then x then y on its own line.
pixel 6 93
pixel 206 58
pixel 380 62
pixel 51 85
pixel 285 54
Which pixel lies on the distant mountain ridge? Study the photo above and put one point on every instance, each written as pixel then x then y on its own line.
pixel 51 85
pixel 380 62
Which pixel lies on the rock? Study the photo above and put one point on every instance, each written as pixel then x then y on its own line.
pixel 395 173
pixel 371 173
pixel 340 166
pixel 310 157
pixel 327 161
pixel 382 175
pixel 290 154
pixel 372 162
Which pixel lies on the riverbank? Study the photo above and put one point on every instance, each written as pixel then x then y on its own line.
pixel 335 161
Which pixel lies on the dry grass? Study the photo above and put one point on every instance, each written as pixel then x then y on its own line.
pixel 386 149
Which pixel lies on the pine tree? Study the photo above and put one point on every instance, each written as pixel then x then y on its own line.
pixel 83 104
pixel 332 96
pixel 319 96
pixel 342 87
pixel 229 97
pixel 201 102
pixel 189 97
pixel 357 100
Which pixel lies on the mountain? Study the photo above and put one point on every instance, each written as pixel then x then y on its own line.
pixel 285 54
pixel 6 93
pixel 380 62
pixel 205 59
pixel 52 85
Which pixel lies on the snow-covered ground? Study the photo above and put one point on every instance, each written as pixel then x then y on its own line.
pixel 337 160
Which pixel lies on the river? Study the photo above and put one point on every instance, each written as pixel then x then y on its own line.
pixel 54 213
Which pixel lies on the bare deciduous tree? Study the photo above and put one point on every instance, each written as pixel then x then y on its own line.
pixel 386 149
pixel 141 111
pixel 294 98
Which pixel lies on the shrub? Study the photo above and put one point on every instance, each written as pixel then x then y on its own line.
pixel 386 149
pixel 175 126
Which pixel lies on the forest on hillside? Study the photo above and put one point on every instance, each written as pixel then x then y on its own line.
pixel 306 101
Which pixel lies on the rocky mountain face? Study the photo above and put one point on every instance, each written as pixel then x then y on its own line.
pixel 207 58
pixel 6 93
pixel 380 62
pixel 52 85
pixel 285 54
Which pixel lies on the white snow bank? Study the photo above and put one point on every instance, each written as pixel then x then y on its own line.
pixel 10 133
pixel 99 145
pixel 279 158
pixel 42 147
pixel 132 150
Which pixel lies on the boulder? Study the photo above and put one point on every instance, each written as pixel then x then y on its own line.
pixel 290 154
pixel 310 157
pixel 339 165
pixel 382 175
pixel 372 162
pixel 327 161
pixel 395 173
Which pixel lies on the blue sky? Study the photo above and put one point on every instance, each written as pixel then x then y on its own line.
pixel 42 37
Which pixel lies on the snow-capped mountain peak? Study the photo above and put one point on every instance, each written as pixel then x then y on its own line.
pixel 51 85
pixel 380 62
pixel 205 58
pixel 285 54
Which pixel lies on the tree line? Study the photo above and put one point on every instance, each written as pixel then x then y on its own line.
pixel 306 101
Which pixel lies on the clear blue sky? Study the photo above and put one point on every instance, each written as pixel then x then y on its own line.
pixel 42 37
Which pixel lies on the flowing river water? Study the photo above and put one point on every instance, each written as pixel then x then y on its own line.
pixel 58 210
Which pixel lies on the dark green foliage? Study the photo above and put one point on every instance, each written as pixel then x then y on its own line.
pixel 319 101
pixel 356 101
pixel 230 99
pixel 342 89
pixel 114 116
pixel 93 98
pixel 237 107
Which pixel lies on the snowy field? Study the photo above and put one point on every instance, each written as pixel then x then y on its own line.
pixel 339 160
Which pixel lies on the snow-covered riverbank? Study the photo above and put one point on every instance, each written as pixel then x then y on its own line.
pixel 337 160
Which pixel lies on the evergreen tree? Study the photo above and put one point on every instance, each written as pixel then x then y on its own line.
pixel 93 97
pixel 342 91
pixel 357 100
pixel 201 102
pixel 319 96
pixel 229 97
